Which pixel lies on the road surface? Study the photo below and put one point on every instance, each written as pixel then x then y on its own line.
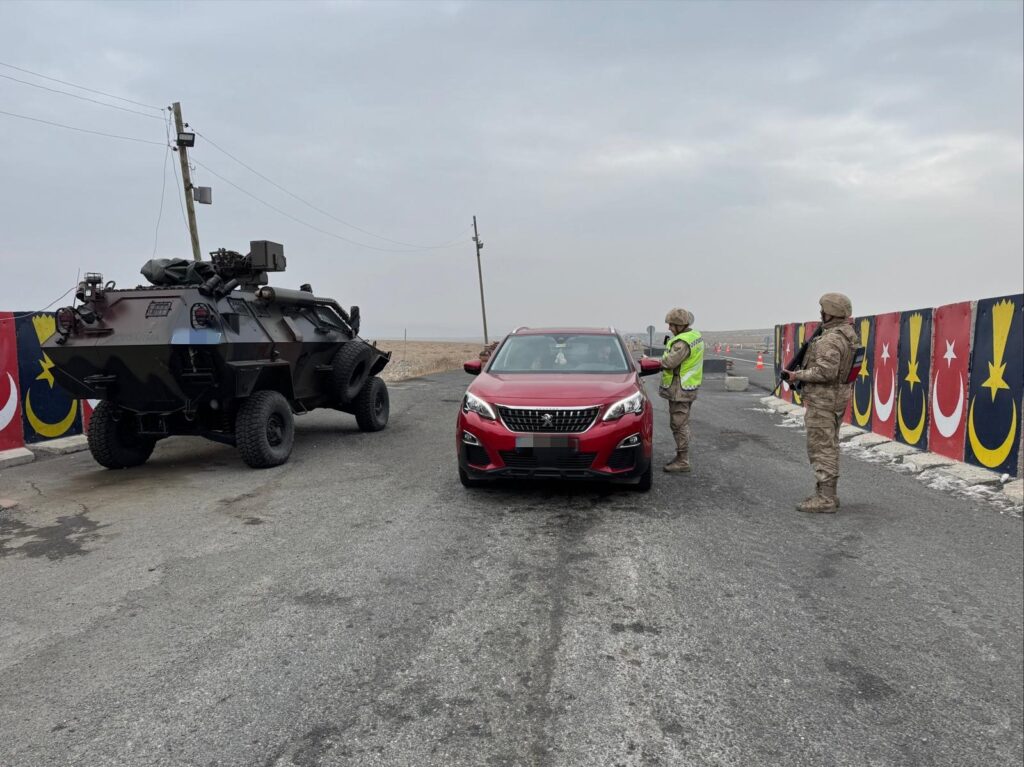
pixel 357 606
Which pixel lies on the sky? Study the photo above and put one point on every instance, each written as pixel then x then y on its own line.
pixel 736 159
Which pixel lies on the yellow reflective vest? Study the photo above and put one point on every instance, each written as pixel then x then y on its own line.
pixel 691 372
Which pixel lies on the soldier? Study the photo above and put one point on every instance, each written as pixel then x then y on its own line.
pixel 682 367
pixel 826 394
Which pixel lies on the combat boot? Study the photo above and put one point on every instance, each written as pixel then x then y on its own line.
pixel 822 502
pixel 680 465
pixel 829 490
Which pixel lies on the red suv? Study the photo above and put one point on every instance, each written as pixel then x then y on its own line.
pixel 563 402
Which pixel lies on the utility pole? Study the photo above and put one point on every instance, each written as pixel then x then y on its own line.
pixel 182 144
pixel 480 274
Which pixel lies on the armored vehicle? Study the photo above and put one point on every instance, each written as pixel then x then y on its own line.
pixel 210 349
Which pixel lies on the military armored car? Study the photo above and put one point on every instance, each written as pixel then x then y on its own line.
pixel 210 349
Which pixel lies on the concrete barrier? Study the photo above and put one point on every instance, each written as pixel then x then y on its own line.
pixel 948 379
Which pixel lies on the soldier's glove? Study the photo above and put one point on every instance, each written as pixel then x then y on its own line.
pixel 785 375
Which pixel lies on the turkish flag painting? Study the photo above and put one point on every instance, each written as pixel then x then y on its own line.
pixel 11 434
pixel 861 406
pixel 883 388
pixel 788 350
pixel 951 354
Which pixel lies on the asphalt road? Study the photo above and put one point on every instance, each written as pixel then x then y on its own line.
pixel 359 607
pixel 744 363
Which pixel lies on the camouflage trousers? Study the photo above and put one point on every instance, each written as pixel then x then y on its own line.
pixel 679 421
pixel 823 442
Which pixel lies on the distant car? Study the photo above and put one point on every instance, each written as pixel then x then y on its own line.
pixel 562 403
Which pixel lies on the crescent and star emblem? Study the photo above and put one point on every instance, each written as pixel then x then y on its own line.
pixel 947 424
pixel 884 407
pixel 863 419
pixel 913 434
pixel 1002 321
pixel 46 326
pixel 10 408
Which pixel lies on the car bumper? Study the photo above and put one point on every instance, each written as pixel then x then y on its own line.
pixel 594 454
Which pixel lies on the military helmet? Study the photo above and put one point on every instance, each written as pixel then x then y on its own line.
pixel 836 304
pixel 679 317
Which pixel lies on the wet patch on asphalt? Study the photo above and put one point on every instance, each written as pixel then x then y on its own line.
pixel 66 537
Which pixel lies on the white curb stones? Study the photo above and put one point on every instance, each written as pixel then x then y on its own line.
pixel 972 475
pixel 1015 491
pixel 868 439
pixel 896 450
pixel 924 461
pixel 15 457
pixel 62 446
pixel 930 466
pixel 847 432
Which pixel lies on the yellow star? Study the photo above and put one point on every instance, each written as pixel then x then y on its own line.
pixel 912 377
pixel 47 364
pixel 995 380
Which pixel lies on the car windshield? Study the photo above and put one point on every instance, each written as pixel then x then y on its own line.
pixel 586 353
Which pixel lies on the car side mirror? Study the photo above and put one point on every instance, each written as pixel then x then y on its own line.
pixel 473 367
pixel 649 366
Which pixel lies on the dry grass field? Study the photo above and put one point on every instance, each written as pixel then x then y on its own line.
pixel 419 358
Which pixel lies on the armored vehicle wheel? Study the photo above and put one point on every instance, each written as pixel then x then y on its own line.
pixel 373 406
pixel 351 368
pixel 114 440
pixel 265 429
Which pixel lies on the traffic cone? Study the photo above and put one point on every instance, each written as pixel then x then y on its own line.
pixel 760 361
pixel 728 349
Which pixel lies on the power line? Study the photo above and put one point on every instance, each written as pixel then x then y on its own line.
pixel 297 220
pixel 80 87
pixel 82 130
pixel 321 210
pixel 163 193
pixel 82 98
pixel 39 311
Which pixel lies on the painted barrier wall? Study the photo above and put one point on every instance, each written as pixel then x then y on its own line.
pixel 948 379
pixel 33 408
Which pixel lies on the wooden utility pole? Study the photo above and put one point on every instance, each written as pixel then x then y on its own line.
pixel 480 274
pixel 186 179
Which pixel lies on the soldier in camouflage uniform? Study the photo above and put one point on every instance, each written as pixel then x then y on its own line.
pixel 826 394
pixel 682 366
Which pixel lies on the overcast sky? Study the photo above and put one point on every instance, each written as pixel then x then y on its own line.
pixel 736 159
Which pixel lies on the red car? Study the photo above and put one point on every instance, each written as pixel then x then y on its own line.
pixel 564 403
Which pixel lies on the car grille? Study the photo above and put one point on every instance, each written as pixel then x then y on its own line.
pixel 525 459
pixel 552 421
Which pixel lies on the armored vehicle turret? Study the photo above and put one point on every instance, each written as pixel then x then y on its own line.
pixel 210 349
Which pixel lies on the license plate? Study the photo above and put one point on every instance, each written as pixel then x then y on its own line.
pixel 542 441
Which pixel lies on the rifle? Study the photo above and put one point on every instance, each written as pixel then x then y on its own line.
pixel 798 359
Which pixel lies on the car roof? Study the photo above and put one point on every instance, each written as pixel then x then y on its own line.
pixel 564 332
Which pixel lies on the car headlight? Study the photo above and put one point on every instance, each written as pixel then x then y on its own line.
pixel 473 404
pixel 631 404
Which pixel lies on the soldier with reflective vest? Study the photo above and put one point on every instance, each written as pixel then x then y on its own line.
pixel 825 378
pixel 682 367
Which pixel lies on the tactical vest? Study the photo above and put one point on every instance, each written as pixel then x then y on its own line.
pixel 691 372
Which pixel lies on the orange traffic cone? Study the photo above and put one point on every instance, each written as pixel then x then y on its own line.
pixel 728 349
pixel 760 361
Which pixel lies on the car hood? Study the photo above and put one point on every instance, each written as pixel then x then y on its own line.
pixel 567 388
